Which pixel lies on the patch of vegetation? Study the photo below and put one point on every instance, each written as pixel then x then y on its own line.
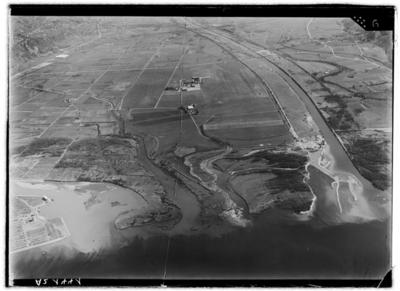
pixel 301 202
pixel 281 159
pixel 287 180
pixel 339 118
pixel 53 147
pixel 101 157
pixel 371 158
pixel 336 99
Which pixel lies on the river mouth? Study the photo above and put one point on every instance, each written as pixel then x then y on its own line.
pixel 275 246
pixel 365 206
pixel 343 194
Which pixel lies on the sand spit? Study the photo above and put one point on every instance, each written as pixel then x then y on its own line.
pixel 352 209
pixel 308 213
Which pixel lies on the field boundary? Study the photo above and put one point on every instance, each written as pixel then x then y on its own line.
pixel 243 124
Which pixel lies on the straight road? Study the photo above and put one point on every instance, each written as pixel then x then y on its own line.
pixel 247 52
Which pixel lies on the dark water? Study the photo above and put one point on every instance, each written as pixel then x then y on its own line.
pixel 274 247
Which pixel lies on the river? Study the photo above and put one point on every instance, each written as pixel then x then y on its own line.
pixel 365 205
pixel 275 246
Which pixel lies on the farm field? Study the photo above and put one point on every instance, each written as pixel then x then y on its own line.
pixel 345 70
pixel 164 130
pixel 86 92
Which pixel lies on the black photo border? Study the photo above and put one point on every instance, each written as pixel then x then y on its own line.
pixel 384 15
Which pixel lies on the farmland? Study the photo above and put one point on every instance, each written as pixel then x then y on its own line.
pixel 199 127
pixel 88 88
pixel 239 105
pixel 344 69
pixel 343 79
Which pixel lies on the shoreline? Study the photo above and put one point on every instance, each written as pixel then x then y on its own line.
pixel 88 232
pixel 233 213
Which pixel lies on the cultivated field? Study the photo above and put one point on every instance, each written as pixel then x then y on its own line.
pixel 80 93
pixel 346 70
pixel 113 109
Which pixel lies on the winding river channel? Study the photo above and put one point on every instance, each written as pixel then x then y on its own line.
pixel 331 244
pixel 274 246
pixel 342 169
